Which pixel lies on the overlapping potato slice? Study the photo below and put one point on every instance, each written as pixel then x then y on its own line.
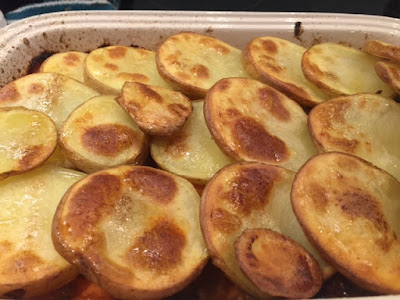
pixel 191 153
pixel 100 134
pixel 382 49
pixel 134 230
pixel 342 70
pixel 108 68
pixel 389 73
pixel 254 122
pixel 29 263
pixel 350 211
pixel 156 110
pixel 192 62
pixel 363 125
pixel 277 62
pixel 243 196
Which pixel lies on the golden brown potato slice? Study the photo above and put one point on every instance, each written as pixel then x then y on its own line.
pixel 342 70
pixel 267 257
pixel 253 122
pixel 108 68
pixel 27 139
pixel 156 110
pixel 349 209
pixel 382 49
pixel 29 263
pixel 363 125
pixel 192 62
pixel 191 153
pixel 389 73
pixel 133 230
pixel 67 63
pixel 243 196
pixel 100 134
pixel 277 62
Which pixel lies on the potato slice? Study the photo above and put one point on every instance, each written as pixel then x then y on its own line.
pixel 191 153
pixel 382 49
pixel 156 110
pixel 253 122
pixel 133 230
pixel 243 196
pixel 192 62
pixel 29 263
pixel 362 125
pixel 277 62
pixel 108 68
pixel 100 134
pixel 27 139
pixel 349 209
pixel 342 70
pixel 389 73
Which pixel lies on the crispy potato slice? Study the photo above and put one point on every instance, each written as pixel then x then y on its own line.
pixel 133 230
pixel 100 134
pixel 252 121
pixel 156 110
pixel 389 73
pixel 342 70
pixel 192 62
pixel 277 62
pixel 243 196
pixel 267 257
pixel 191 153
pixel 362 125
pixel 108 68
pixel 349 209
pixel 29 263
pixel 382 49
pixel 27 139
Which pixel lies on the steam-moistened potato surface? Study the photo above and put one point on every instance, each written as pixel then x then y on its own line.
pixel 192 152
pixel 27 139
pixel 29 263
pixel 342 70
pixel 100 134
pixel 244 196
pixel 365 125
pixel 382 49
pixel 253 122
pixel 350 211
pixel 389 73
pixel 67 63
pixel 134 230
pixel 108 68
pixel 192 63
pixel 156 110
pixel 277 62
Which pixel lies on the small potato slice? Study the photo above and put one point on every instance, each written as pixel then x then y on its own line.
pixel 67 63
pixel 389 73
pixel 364 125
pixel 191 153
pixel 342 70
pixel 156 110
pixel 108 68
pixel 30 266
pixel 253 122
pixel 133 230
pixel 267 257
pixel 27 139
pixel 192 62
pixel 349 210
pixel 100 134
pixel 277 62
pixel 383 50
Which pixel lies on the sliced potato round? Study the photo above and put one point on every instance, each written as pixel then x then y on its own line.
pixel 191 153
pixel 192 62
pixel 253 122
pixel 342 70
pixel 108 68
pixel 364 125
pixel 389 73
pixel 100 134
pixel 349 209
pixel 30 265
pixel 156 110
pixel 133 230
pixel 382 49
pixel 277 62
